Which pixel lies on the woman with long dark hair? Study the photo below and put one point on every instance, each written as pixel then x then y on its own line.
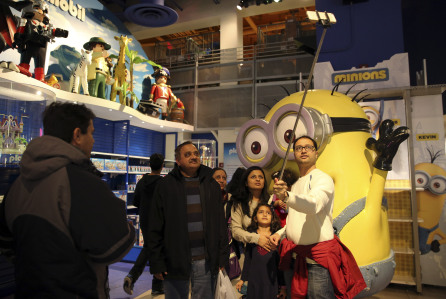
pixel 252 191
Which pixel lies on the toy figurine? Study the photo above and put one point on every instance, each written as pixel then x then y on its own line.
pixel 79 74
pixel 98 70
pixel 120 72
pixel 162 94
pixel 32 37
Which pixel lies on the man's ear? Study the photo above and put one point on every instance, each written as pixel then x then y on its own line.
pixel 76 139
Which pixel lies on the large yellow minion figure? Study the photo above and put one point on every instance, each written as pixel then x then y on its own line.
pixel 341 130
pixel 432 178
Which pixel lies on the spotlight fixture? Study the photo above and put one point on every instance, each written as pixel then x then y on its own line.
pixel 245 3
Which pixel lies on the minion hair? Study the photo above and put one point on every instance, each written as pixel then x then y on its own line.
pixel 348 90
pixel 432 154
pixel 363 98
pixel 286 90
pixel 356 95
pixel 335 88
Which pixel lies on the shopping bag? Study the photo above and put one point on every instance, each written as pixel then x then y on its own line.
pixel 224 288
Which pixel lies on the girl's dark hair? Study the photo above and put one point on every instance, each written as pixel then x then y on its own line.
pixel 232 186
pixel 242 196
pixel 275 223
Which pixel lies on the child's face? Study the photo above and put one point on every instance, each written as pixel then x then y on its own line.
pixel 264 216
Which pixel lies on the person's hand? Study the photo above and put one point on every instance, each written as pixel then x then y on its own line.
pixel 239 285
pixel 274 239
pixel 160 276
pixel 281 204
pixel 280 189
pixel 265 243
pixel 282 293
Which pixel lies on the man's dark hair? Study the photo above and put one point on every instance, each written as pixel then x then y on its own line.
pixel 60 119
pixel 307 137
pixel 289 176
pixel 156 161
pixel 178 149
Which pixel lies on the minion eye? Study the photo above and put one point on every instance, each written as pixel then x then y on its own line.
pixel 372 114
pixel 256 144
pixel 253 147
pixel 284 130
pixel 421 179
pixel 438 185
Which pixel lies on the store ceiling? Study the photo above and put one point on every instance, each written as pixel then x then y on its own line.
pixel 193 9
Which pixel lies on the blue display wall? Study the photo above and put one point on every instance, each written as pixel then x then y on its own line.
pixel 119 137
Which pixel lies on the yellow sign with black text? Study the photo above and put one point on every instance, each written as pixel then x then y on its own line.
pixel 427 137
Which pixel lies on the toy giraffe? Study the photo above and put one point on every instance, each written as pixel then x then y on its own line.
pixel 120 70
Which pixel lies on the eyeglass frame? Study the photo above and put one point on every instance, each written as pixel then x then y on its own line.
pixel 308 148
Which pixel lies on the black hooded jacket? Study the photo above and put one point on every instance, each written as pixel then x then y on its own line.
pixel 143 197
pixel 168 238
pixel 66 224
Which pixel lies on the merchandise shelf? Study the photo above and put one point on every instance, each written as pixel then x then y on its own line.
pixel 103 108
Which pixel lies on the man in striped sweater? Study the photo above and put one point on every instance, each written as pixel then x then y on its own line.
pixel 187 237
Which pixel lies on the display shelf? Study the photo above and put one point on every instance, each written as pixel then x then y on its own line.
pixel 407 280
pixel 108 154
pixel 138 172
pixel 114 171
pixel 402 219
pixel 103 108
pixel 403 250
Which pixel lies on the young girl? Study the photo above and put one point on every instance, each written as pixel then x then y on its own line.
pixel 261 267
pixel 289 177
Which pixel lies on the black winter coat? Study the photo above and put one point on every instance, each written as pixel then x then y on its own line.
pixel 168 238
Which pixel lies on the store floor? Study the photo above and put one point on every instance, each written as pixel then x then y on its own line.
pixel 142 289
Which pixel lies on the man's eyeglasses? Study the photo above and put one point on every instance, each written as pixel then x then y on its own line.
pixel 308 148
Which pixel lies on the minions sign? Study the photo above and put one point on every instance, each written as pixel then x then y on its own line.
pixel 389 73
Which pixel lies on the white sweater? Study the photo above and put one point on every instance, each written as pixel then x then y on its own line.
pixel 310 206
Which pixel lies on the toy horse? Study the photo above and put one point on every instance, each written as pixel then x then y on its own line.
pixel 79 74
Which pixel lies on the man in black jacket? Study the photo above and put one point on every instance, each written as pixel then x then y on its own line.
pixel 141 200
pixel 187 237
pixel 65 223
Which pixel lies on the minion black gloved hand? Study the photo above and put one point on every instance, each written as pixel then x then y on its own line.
pixel 387 144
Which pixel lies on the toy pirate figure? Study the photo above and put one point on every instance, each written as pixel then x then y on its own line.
pixel 98 70
pixel 162 94
pixel 32 37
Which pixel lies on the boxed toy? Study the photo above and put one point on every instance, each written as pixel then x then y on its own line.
pixel 109 164
pixel 121 165
pixel 98 163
